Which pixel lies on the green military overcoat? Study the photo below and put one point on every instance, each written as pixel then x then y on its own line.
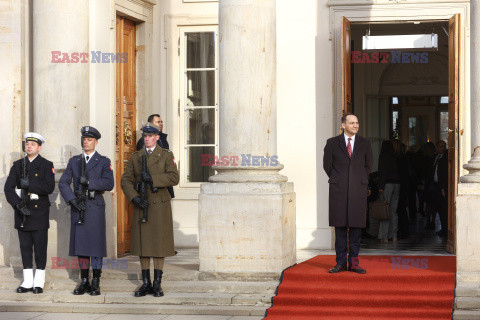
pixel 153 238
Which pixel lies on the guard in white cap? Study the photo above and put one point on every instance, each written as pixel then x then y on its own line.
pixel 30 181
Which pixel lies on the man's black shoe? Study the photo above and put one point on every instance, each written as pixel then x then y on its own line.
pixel 357 269
pixel 23 290
pixel 338 268
pixel 37 290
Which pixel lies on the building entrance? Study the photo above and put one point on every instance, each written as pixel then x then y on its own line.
pixel 408 98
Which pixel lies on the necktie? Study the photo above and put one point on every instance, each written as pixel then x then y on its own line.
pixel 349 148
pixel 87 157
pixel 149 152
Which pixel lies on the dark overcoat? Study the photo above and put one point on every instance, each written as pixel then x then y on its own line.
pixel 153 238
pixel 41 177
pixel 90 238
pixel 348 180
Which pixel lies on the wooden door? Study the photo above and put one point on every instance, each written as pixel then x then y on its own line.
pixel 453 115
pixel 125 123
pixel 346 56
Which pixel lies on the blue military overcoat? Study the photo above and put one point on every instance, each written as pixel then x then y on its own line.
pixel 88 239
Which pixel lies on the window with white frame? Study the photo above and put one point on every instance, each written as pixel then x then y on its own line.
pixel 198 103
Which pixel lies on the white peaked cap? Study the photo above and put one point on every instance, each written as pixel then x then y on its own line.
pixel 34 136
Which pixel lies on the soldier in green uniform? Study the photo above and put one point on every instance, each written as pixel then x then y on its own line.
pixel 153 238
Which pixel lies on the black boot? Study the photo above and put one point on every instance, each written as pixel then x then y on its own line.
pixel 146 287
pixel 95 288
pixel 157 281
pixel 84 286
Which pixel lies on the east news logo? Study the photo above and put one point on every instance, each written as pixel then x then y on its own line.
pixel 389 57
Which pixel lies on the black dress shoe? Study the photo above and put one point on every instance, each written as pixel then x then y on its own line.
pixel 37 290
pixel 338 268
pixel 23 290
pixel 357 269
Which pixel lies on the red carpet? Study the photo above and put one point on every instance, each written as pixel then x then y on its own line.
pixel 393 288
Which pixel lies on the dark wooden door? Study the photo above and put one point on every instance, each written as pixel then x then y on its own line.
pixel 453 120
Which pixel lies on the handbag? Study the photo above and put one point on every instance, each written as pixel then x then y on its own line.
pixel 380 209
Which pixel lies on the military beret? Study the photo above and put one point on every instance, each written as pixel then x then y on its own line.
pixel 33 136
pixel 88 131
pixel 149 128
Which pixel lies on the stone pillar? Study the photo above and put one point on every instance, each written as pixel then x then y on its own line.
pixel 247 211
pixel 468 199
pixel 14 111
pixel 60 90
pixel 60 97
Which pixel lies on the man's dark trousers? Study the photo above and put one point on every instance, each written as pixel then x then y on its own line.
pixel 354 236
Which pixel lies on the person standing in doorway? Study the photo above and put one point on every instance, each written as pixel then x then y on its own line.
pixel 348 160
pixel 162 142
pixel 151 237
pixel 440 181
pixel 34 176
pixel 389 185
pixel 88 240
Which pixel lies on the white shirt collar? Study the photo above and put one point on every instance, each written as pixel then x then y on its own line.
pixel 90 156
pixel 151 149
pixel 33 158
pixel 352 137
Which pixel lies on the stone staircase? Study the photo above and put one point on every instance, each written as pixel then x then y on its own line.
pixel 187 292
pixel 467 302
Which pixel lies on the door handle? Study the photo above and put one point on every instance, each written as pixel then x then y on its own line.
pixel 450 130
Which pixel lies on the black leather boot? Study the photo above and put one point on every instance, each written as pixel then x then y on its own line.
pixel 146 287
pixel 157 281
pixel 84 286
pixel 95 287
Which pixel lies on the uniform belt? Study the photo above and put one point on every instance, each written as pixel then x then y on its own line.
pixel 33 196
pixel 97 193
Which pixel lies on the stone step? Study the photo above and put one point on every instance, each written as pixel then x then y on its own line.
pixel 7 272
pixel 467 290
pixel 174 298
pixel 14 306
pixel 467 303
pixel 466 315
pixel 115 285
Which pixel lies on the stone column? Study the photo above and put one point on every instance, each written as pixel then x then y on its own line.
pixel 247 211
pixel 468 199
pixel 60 97
pixel 60 89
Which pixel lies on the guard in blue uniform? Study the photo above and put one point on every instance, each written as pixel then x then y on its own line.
pixel 88 239
pixel 30 181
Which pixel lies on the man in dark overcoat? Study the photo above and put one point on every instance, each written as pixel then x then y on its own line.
pixel 153 238
pixel 88 240
pixel 348 160
pixel 33 209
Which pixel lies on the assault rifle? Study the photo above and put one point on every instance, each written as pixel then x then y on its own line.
pixel 82 189
pixel 23 206
pixel 145 183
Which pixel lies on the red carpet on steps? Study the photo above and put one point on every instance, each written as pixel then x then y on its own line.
pixel 392 289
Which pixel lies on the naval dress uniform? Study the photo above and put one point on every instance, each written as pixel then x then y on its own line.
pixel 33 236
pixel 88 240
